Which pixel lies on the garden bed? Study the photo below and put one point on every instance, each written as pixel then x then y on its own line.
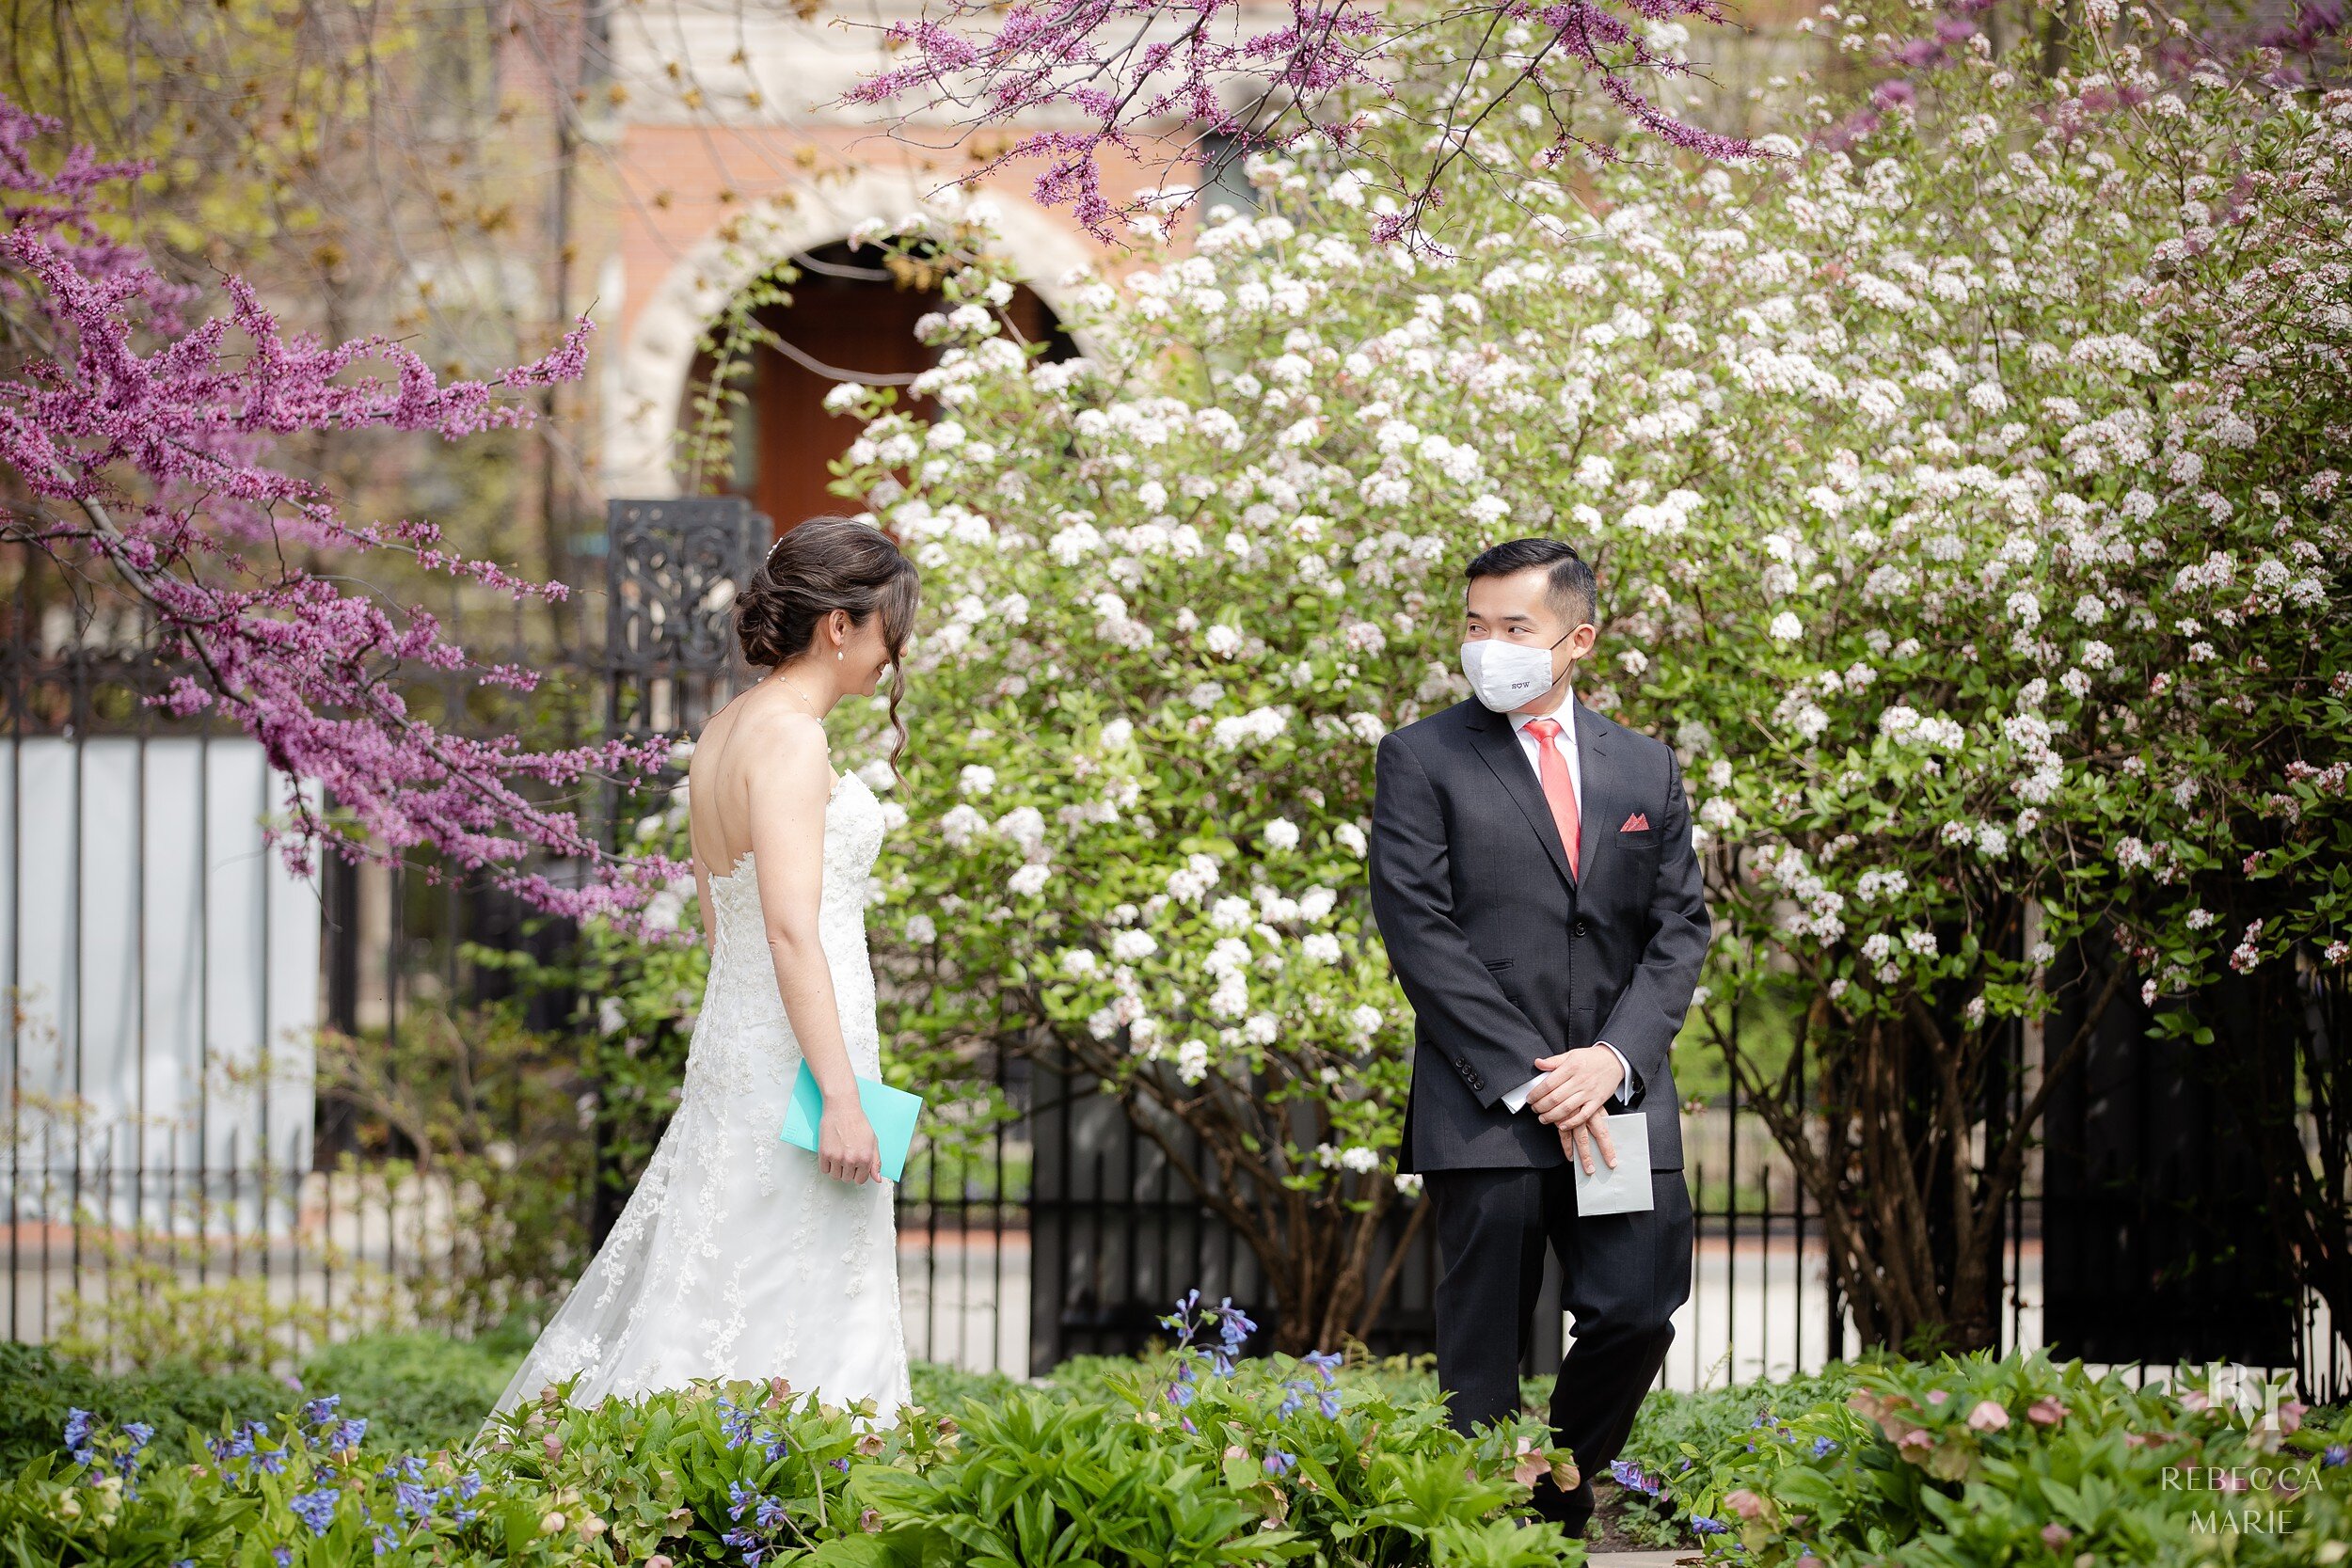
pixel 1183 1458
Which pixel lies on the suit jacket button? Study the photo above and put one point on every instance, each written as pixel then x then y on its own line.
pixel 1582 929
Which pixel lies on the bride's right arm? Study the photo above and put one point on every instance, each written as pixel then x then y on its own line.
pixel 791 780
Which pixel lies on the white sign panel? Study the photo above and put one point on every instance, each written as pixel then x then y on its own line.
pixel 163 967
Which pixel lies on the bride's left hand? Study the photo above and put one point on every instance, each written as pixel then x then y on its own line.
pixel 847 1149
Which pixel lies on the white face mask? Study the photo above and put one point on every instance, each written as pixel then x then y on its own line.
pixel 1508 675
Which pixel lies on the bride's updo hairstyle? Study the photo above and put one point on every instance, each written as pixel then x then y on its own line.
pixel 828 563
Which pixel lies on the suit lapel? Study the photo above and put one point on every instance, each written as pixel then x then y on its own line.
pixel 1497 742
pixel 1595 812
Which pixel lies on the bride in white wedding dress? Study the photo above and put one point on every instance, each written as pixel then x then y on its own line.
pixel 740 1256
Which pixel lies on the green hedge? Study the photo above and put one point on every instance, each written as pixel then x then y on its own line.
pixel 418 1392
pixel 37 1388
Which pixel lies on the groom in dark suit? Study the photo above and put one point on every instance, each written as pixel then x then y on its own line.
pixel 1533 878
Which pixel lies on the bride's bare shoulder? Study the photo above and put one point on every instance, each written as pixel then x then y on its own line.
pixel 770 732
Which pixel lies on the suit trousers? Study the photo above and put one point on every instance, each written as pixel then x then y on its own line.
pixel 1623 1276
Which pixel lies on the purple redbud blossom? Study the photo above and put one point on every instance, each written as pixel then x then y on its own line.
pixel 1125 66
pixel 143 448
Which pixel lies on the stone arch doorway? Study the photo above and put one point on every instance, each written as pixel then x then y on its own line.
pixel 848 319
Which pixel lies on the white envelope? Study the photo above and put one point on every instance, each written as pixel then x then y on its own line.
pixel 1625 1188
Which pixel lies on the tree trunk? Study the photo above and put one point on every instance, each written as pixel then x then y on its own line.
pixel 1884 1129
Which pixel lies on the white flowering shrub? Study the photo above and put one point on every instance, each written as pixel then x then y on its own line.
pixel 1964 514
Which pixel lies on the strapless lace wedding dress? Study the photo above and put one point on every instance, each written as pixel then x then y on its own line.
pixel 736 1257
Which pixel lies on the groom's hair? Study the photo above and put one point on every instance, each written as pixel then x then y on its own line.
pixel 1575 592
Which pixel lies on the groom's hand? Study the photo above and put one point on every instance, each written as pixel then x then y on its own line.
pixel 1580 1142
pixel 1576 1084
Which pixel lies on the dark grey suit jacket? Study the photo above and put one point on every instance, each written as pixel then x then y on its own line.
pixel 1503 958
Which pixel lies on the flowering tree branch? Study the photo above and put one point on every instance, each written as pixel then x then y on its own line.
pixel 1129 68
pixel 140 449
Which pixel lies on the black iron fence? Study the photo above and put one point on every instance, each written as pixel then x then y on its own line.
pixel 230 1108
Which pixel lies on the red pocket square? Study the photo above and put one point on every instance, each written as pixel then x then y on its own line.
pixel 1637 823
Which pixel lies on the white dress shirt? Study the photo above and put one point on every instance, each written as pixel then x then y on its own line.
pixel 1531 746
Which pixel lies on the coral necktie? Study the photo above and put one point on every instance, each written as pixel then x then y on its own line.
pixel 1559 789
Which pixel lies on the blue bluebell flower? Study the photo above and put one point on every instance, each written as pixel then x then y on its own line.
pixel 316 1509
pixel 840 1464
pixel 1634 1478
pixel 1330 1400
pixel 1184 1320
pixel 1702 1525
pixel 777 1446
pixel 78 1430
pixel 239 1444
pixel 386 1539
pixel 741 1500
pixel 347 1434
pixel 770 1513
pixel 319 1411
pixel 1292 1399
pixel 470 1484
pixel 1233 1328
pixel 753 1544
pixel 412 1500
pixel 1277 1463
pixel 1824 1447
pixel 1325 1362
pixel 283 1555
pixel 271 1460
pixel 1180 1394
pixel 735 1423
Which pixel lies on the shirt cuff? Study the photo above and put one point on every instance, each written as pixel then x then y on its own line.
pixel 1625 1084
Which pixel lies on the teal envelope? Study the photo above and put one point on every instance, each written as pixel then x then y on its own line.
pixel 890 1112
